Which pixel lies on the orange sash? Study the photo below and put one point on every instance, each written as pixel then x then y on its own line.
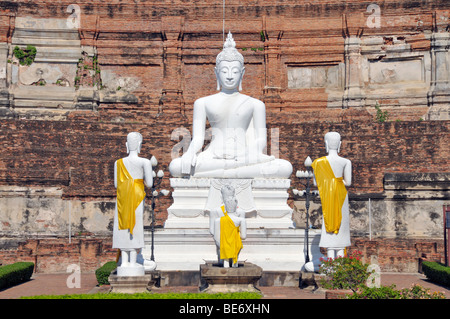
pixel 230 238
pixel 332 194
pixel 130 193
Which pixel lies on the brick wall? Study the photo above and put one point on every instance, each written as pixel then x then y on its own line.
pixel 171 45
pixel 78 155
pixel 53 255
pixel 399 255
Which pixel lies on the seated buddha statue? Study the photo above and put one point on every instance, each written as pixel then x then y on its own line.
pixel 238 127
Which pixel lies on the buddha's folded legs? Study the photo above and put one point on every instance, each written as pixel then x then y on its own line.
pixel 277 168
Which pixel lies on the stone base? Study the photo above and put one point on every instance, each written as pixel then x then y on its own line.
pixel 272 241
pixel 216 279
pixel 271 249
pixel 133 284
pixel 263 200
pixel 135 271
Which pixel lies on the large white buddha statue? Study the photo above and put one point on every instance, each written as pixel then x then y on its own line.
pixel 239 134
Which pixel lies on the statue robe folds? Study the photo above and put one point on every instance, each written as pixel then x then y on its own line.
pixel 129 210
pixel 230 238
pixel 334 199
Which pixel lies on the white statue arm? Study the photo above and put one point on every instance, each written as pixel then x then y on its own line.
pixel 243 229
pixel 217 231
pixel 148 177
pixel 115 174
pixel 213 215
pixel 198 137
pixel 259 122
pixel 348 173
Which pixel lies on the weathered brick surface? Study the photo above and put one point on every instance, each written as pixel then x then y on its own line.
pixel 79 155
pixel 398 255
pixel 56 254
pixel 171 45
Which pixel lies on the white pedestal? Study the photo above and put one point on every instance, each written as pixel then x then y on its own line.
pixel 264 200
pixel 271 249
pixel 272 243
pixel 128 271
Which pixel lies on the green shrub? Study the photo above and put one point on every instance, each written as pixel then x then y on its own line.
pixel 104 271
pixel 344 272
pixel 383 292
pixel 436 272
pixel 389 292
pixel 16 273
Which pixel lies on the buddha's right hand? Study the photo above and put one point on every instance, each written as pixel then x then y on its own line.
pixel 187 161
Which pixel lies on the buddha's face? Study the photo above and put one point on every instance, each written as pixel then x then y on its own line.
pixel 229 74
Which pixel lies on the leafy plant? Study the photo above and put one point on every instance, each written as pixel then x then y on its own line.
pixel 419 292
pixel 345 272
pixel 84 78
pixel 383 292
pixel 41 82
pixel 104 271
pixel 382 116
pixel 390 292
pixel 25 56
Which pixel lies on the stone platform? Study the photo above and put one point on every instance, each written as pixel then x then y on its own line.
pixel 263 200
pixel 218 279
pixel 133 284
pixel 271 249
pixel 272 242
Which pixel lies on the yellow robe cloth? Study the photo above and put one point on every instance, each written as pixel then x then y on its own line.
pixel 332 194
pixel 230 238
pixel 130 193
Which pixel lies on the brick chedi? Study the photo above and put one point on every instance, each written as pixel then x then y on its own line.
pixel 103 69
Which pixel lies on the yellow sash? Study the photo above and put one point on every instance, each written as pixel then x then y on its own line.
pixel 230 239
pixel 130 193
pixel 332 194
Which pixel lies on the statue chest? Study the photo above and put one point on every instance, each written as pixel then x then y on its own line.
pixel 229 116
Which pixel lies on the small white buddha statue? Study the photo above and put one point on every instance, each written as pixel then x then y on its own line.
pixel 332 173
pixel 131 174
pixel 229 227
pixel 239 134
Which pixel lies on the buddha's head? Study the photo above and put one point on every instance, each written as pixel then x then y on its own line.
pixel 229 66
pixel 332 141
pixel 230 204
pixel 134 142
pixel 227 191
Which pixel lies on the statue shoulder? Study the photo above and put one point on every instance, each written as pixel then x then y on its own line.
pixel 344 161
pixel 205 99
pixel 141 161
pixel 258 104
pixel 145 161
pixel 200 100
pixel 240 212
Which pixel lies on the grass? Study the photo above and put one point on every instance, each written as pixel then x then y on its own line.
pixel 150 295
